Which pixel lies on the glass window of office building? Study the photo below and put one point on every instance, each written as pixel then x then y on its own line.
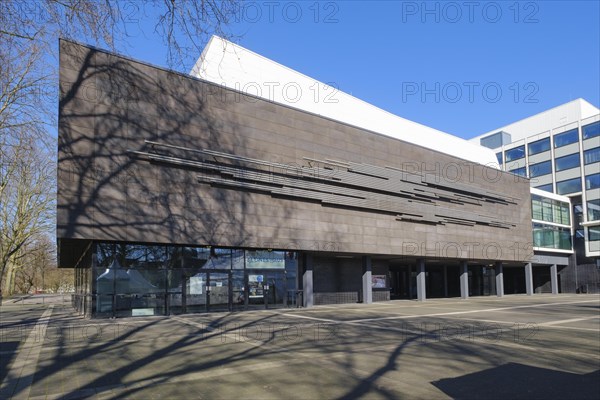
pixel 551 237
pixel 515 154
pixel 567 162
pixel 538 146
pixel 519 171
pixel 594 233
pixel 591 130
pixel 546 188
pixel 496 140
pixel 499 157
pixel 591 156
pixel 539 169
pixel 592 181
pixel 563 139
pixel 593 210
pixel 569 186
pixel 549 210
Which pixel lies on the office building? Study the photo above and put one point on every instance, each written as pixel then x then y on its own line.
pixel 559 151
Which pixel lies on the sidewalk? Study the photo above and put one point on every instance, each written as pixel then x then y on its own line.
pixel 516 347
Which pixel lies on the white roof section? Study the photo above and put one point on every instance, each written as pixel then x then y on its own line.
pixel 230 65
pixel 549 195
pixel 550 119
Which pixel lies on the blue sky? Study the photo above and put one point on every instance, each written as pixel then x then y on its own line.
pixel 464 67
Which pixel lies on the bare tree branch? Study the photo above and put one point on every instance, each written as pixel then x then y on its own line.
pixel 28 93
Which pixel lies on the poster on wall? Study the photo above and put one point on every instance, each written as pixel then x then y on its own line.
pixel 255 286
pixel 264 259
pixel 196 284
pixel 378 282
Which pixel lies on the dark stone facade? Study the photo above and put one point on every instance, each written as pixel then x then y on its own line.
pixel 110 108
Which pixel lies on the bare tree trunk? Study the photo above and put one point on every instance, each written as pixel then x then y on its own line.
pixel 10 280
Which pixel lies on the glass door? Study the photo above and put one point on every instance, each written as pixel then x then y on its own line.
pixel 275 289
pixel 203 292
pixel 399 278
pixel 218 292
pixel 266 289
pixel 195 297
pixel 256 292
pixel 239 298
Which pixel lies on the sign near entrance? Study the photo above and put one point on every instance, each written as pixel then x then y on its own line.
pixel 255 286
pixel 264 259
pixel 378 282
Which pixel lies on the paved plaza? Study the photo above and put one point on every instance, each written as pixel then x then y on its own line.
pixel 515 347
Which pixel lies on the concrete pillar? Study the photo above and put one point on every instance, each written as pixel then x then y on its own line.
pixel 421 293
pixel 367 285
pixel 554 278
pixel 445 281
pixel 499 279
pixel 529 279
pixel 410 283
pixel 464 280
pixel 307 281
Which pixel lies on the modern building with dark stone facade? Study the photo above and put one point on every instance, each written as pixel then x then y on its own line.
pixel 180 195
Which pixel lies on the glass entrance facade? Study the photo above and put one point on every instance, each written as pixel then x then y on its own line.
pixel 141 280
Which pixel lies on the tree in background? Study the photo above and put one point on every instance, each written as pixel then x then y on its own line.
pixel 37 270
pixel 27 193
pixel 29 32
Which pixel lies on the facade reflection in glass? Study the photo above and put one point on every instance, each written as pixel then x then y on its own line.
pixel 137 280
pixel 551 237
